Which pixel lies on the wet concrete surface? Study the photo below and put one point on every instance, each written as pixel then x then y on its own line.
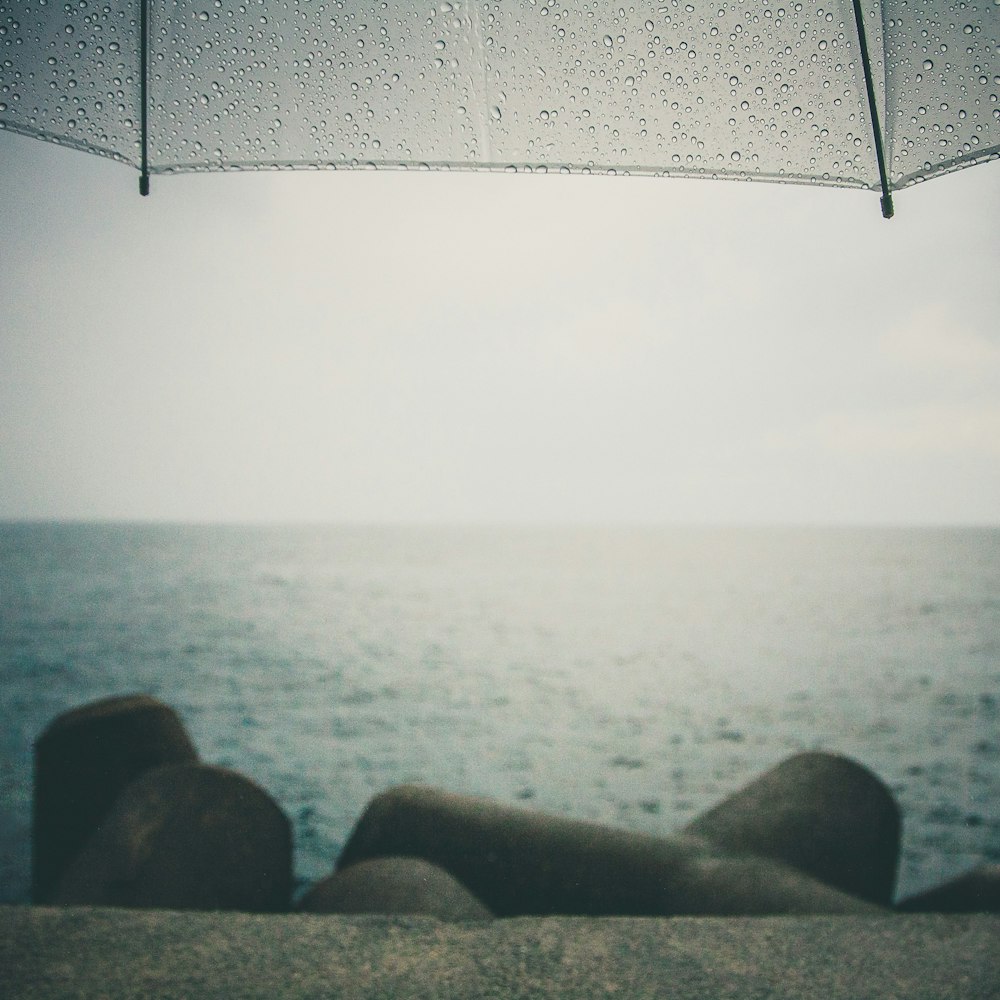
pixel 50 952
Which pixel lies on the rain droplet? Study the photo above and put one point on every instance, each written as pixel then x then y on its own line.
pixel 495 113
pixel 928 64
pixel 203 16
pixel 796 112
pixel 609 41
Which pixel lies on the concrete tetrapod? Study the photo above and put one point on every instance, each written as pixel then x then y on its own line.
pixel 187 837
pixel 525 863
pixel 83 761
pixel 977 891
pixel 821 813
pixel 394 885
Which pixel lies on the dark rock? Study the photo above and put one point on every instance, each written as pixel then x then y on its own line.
pixel 83 760
pixel 186 837
pixel 394 885
pixel 525 863
pixel 820 813
pixel 977 891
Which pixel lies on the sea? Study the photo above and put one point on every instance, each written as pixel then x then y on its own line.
pixel 629 675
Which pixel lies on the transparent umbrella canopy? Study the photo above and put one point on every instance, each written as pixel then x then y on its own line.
pixel 847 93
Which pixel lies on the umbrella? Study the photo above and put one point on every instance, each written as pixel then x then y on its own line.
pixel 873 94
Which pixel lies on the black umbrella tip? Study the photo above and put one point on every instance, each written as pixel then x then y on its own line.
pixel 144 184
pixel 887 210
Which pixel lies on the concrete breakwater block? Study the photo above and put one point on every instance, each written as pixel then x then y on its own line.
pixel 822 814
pixel 394 885
pixel 524 863
pixel 977 891
pixel 83 761
pixel 188 837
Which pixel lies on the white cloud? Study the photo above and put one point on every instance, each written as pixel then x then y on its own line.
pixel 934 338
pixel 942 429
pixel 599 340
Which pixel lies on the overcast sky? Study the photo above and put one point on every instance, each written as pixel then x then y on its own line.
pixel 362 346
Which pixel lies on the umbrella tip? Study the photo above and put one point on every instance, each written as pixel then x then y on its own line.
pixel 144 184
pixel 887 210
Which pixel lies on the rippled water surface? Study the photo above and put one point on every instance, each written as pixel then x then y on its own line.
pixel 632 676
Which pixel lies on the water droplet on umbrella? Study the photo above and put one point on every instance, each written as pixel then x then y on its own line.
pixel 928 64
pixel 608 41
pixel 495 113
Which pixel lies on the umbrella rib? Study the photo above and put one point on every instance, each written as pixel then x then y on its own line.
pixel 143 93
pixel 887 209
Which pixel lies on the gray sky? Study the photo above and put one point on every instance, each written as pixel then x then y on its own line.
pixel 362 346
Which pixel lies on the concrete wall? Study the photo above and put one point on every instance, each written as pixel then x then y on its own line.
pixel 69 951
